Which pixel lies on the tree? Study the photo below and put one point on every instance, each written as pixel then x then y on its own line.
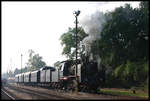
pixel 124 42
pixel 35 61
pixel 68 40
pixel 16 71
pixel 124 36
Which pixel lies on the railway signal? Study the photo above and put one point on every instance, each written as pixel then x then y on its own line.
pixel 76 13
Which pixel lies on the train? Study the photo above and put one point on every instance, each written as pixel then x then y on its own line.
pixel 88 77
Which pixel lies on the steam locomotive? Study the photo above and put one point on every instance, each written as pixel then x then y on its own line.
pixel 64 77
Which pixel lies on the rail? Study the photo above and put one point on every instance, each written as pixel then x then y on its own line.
pixel 7 94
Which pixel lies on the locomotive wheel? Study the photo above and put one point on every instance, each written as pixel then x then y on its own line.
pixel 83 89
pixel 69 85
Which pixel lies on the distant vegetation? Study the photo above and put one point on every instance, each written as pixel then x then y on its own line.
pixel 34 63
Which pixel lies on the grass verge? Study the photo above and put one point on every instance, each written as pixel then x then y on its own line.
pixel 122 92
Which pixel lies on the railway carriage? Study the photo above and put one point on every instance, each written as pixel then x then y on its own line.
pixel 27 77
pixel 48 76
pixel 21 78
pixel 55 76
pixel 17 78
pixel 35 77
pixel 49 71
pixel 42 76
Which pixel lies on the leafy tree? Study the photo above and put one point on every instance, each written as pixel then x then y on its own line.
pixel 132 73
pixel 124 36
pixel 25 69
pixel 8 74
pixel 68 40
pixel 124 43
pixel 35 61
pixel 17 71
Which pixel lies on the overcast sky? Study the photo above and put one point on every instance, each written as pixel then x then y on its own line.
pixel 38 26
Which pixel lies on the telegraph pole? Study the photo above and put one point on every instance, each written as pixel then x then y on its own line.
pixel 21 68
pixel 76 13
pixel 21 63
pixel 11 66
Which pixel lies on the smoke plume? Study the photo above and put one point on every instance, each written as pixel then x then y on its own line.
pixel 92 25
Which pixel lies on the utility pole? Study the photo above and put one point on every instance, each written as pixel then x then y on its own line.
pixel 21 69
pixel 11 64
pixel 76 13
pixel 11 67
pixel 21 63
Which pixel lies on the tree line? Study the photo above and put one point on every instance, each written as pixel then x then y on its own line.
pixel 35 62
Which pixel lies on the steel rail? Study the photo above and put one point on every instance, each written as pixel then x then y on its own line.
pixel 8 95
pixel 37 93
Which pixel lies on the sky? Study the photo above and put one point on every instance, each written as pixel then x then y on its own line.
pixel 38 26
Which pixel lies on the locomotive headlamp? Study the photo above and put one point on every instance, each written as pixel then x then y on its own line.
pixel 65 78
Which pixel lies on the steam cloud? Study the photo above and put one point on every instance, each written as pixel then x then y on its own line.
pixel 92 24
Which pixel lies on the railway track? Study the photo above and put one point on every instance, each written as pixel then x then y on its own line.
pixel 6 95
pixel 35 94
pixel 32 92
pixel 52 94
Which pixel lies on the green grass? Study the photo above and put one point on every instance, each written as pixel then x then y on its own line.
pixel 122 92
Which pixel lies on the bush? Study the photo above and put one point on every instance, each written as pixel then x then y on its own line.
pixel 131 74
